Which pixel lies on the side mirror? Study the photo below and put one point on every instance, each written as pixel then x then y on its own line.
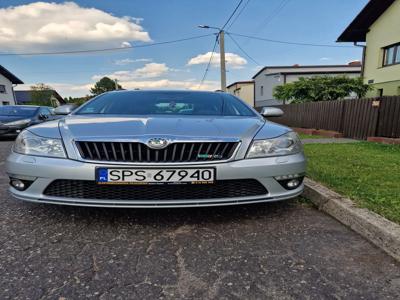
pixel 64 110
pixel 271 112
pixel 42 117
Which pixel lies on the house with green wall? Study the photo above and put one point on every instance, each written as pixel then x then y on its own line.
pixel 377 28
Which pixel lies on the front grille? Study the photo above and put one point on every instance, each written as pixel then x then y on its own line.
pixel 139 152
pixel 84 189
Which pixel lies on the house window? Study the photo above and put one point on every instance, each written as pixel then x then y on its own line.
pixel 262 90
pixel 2 89
pixel 6 103
pixel 391 55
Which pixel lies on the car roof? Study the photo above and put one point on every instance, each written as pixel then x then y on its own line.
pixel 36 106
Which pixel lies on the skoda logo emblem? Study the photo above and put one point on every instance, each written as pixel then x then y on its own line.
pixel 157 143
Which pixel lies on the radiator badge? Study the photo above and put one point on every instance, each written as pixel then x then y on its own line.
pixel 157 143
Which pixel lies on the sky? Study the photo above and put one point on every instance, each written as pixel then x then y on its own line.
pixel 54 26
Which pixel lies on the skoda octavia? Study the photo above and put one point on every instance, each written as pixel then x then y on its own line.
pixel 158 149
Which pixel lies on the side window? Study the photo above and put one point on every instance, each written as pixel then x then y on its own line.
pixel 235 107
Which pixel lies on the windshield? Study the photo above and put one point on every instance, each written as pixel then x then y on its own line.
pixel 166 103
pixel 25 111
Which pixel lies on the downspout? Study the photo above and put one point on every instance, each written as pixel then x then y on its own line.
pixel 15 98
pixel 284 82
pixel 363 57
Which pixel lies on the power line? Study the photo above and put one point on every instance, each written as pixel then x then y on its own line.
pixel 230 17
pixel 288 42
pixel 209 62
pixel 221 30
pixel 244 52
pixel 106 49
pixel 238 15
pixel 273 14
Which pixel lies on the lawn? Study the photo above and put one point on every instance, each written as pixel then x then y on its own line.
pixel 309 136
pixel 368 173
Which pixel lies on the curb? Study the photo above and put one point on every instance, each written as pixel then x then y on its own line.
pixel 378 230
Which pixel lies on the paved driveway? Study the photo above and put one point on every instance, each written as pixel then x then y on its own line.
pixel 278 251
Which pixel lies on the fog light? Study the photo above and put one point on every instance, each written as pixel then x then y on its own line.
pixel 19 184
pixel 291 183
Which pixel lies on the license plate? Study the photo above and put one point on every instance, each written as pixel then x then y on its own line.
pixel 155 176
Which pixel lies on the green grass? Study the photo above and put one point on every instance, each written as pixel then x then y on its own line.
pixel 309 136
pixel 368 173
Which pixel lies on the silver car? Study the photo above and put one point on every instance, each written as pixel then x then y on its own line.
pixel 158 149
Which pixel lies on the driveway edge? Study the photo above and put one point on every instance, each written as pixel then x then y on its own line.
pixel 378 230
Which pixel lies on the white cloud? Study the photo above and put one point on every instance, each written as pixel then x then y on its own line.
pixel 232 60
pixel 44 26
pixel 150 70
pixel 127 61
pixel 126 45
pixel 171 84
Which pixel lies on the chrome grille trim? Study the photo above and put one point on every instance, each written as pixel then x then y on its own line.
pixel 138 152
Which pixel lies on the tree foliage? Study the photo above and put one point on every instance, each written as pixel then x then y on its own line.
pixel 104 85
pixel 78 100
pixel 41 95
pixel 321 88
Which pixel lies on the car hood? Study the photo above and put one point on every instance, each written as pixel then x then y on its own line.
pixel 128 127
pixel 6 119
pixel 108 128
pixel 120 127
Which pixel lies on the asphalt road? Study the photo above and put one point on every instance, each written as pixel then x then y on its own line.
pixel 284 250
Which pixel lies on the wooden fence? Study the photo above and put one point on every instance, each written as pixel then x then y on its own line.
pixel 357 119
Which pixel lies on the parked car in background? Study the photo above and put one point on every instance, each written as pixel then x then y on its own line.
pixel 14 118
pixel 158 149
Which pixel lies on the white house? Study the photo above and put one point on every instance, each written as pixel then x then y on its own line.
pixel 243 90
pixel 7 82
pixel 271 76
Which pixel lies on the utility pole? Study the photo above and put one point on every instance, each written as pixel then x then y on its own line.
pixel 221 35
pixel 222 59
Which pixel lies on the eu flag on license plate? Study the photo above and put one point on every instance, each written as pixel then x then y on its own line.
pixel 102 175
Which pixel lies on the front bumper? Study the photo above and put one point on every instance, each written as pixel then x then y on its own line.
pixel 10 131
pixel 45 170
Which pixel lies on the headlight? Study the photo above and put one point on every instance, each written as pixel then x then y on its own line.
pixel 29 143
pixel 286 144
pixel 19 122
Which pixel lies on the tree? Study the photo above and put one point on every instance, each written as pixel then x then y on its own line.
pixel 41 94
pixel 104 85
pixel 80 100
pixel 321 88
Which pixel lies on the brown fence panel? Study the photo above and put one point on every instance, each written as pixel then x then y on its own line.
pixel 389 117
pixel 320 115
pixel 358 119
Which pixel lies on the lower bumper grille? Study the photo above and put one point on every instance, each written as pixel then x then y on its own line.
pixel 84 189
